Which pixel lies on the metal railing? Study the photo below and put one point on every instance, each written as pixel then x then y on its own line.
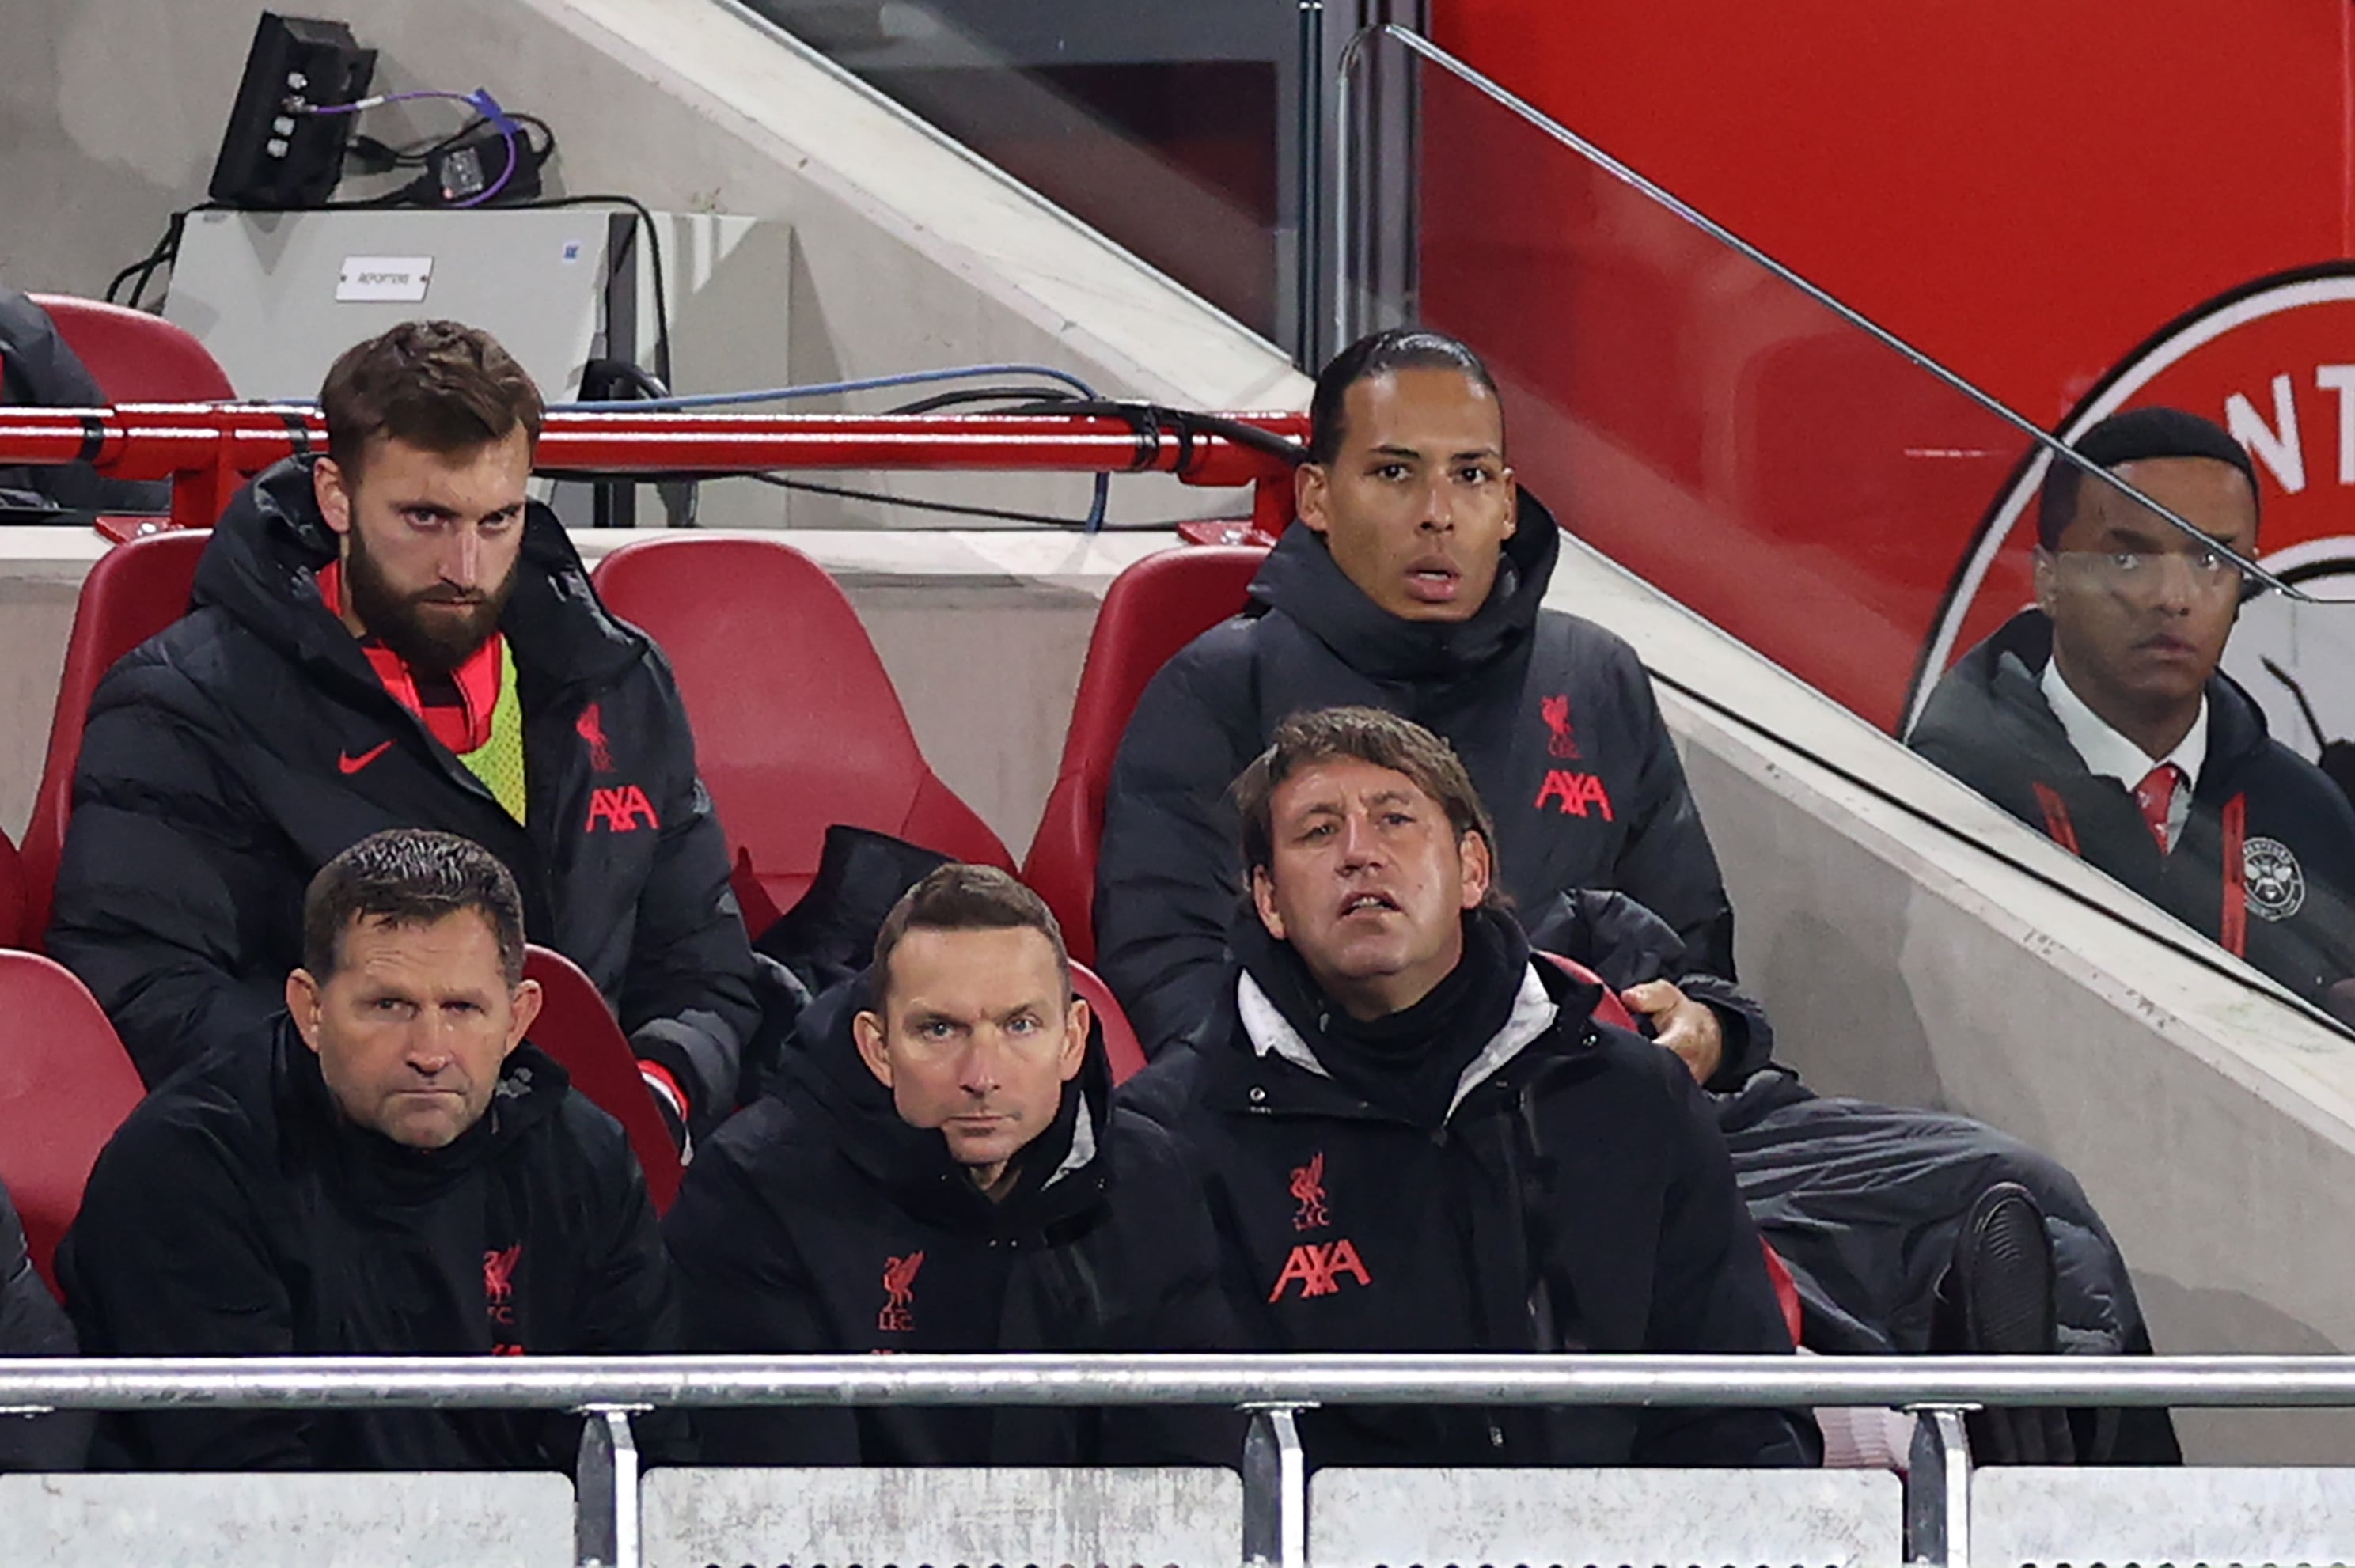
pixel 208 450
pixel 1272 1388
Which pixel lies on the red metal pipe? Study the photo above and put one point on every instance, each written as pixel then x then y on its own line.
pixel 158 441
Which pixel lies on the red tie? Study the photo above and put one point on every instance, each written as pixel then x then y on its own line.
pixel 2156 796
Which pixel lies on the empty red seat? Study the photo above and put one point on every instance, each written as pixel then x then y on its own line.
pixel 135 358
pixel 13 930
pixel 66 1083
pixel 135 591
pixel 581 1032
pixel 1152 610
pixel 797 724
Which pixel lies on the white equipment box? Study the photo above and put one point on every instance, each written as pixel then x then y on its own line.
pixel 276 296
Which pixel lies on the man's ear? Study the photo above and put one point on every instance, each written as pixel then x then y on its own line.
pixel 1479 868
pixel 1512 501
pixel 1075 1039
pixel 866 1029
pixel 1264 900
pixel 1311 484
pixel 524 1003
pixel 334 497
pixel 303 1002
pixel 2048 578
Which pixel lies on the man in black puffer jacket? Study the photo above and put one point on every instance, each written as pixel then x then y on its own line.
pixel 941 1171
pixel 1417 1138
pixel 2067 716
pixel 390 1171
pixel 391 636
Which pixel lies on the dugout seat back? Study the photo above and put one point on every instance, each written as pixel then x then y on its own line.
pixel 797 724
pixel 135 591
pixel 135 358
pixel 581 1032
pixel 1152 610
pixel 66 1083
pixel 1122 1049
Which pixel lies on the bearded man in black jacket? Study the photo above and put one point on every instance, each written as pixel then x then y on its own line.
pixel 1418 1138
pixel 389 1171
pixel 391 636
pixel 941 1171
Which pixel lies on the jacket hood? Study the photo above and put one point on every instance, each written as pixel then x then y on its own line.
pixel 1993 698
pixel 1300 578
pixel 1063 1170
pixel 378 1171
pixel 262 569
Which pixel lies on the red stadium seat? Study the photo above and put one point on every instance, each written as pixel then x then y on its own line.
pixel 796 724
pixel 1127 1056
pixel 136 590
pixel 579 1031
pixel 135 358
pixel 66 1083
pixel 1154 609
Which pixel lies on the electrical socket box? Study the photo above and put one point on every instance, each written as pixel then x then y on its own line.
pixel 271 156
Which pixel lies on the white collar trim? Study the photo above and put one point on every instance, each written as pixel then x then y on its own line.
pixel 2109 754
pixel 1534 1012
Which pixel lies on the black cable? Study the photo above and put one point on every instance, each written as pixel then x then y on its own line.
pixel 2204 959
pixel 1033 398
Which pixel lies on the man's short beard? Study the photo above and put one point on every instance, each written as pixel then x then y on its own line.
pixel 435 646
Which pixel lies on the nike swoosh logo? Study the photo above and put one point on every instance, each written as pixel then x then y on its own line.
pixel 351 764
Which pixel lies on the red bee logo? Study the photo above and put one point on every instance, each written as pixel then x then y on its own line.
pixel 898 1316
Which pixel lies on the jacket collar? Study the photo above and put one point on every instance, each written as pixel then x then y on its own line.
pixel 1063 1173
pixel 1300 579
pixel 1534 1012
pixel 1993 699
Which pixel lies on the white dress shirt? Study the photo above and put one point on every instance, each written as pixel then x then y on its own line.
pixel 2112 755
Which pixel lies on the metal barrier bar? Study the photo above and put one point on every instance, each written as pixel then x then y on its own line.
pixel 573 1382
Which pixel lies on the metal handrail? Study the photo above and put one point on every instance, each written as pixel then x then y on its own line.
pixel 1545 125
pixel 1296 1380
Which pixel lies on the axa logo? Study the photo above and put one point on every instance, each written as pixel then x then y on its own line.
pixel 590 728
pixel 1562 741
pixel 498 1283
pixel 620 810
pixel 1308 1192
pixel 1573 794
pixel 899 1314
pixel 1318 1268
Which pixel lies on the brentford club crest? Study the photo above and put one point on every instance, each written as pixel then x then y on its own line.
pixel 2271 877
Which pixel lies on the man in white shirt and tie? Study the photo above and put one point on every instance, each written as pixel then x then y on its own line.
pixel 2101 716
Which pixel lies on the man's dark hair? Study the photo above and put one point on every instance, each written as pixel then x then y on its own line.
pixel 1380 353
pixel 959 897
pixel 2132 437
pixel 409 876
pixel 440 386
pixel 1364 734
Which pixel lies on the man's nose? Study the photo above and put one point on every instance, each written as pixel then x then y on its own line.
pixel 462 559
pixel 1360 845
pixel 979 1072
pixel 428 1053
pixel 1438 507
